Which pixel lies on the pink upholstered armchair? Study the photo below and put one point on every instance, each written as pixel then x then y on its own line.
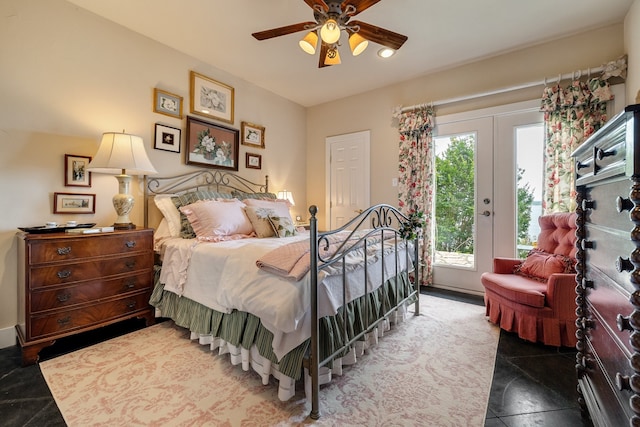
pixel 536 297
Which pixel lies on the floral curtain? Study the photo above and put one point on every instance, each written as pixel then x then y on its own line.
pixel 416 181
pixel 571 115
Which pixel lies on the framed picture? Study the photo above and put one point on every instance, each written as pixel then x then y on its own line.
pixel 252 135
pixel 73 203
pixel 75 171
pixel 167 103
pixel 254 161
pixel 211 145
pixel 210 98
pixel 167 138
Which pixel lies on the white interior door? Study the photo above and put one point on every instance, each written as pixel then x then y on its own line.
pixel 348 176
pixel 453 268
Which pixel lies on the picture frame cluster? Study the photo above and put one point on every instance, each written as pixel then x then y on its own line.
pixel 207 144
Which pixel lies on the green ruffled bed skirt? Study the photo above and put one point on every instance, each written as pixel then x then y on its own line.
pixel 244 329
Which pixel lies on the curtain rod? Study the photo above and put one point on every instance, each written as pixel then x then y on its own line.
pixel 545 81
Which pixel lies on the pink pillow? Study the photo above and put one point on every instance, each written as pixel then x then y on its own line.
pixel 216 220
pixel 540 265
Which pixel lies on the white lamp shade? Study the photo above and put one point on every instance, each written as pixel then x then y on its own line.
pixel 286 195
pixel 357 43
pixel 330 31
pixel 121 151
pixel 309 42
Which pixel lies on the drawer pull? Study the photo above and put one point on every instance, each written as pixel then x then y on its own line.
pixel 601 154
pixel 623 264
pixel 587 284
pixel 130 244
pixel 581 165
pixel 64 251
pixel 131 305
pixel 587 244
pixel 64 321
pixel 130 284
pixel 588 204
pixel 623 204
pixel 623 323
pixel 63 297
pixel 130 264
pixel 587 323
pixel 63 274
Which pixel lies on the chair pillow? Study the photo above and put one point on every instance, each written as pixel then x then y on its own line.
pixel 539 265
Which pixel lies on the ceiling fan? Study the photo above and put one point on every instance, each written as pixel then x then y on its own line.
pixel 332 17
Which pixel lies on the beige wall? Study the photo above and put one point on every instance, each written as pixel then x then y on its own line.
pixel 66 76
pixel 372 110
pixel 632 47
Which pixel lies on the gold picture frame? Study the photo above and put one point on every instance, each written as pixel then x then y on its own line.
pixel 210 98
pixel 252 135
pixel 167 103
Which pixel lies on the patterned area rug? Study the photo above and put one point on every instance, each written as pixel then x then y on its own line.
pixel 431 370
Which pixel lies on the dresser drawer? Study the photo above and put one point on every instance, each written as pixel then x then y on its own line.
pixel 604 199
pixel 93 290
pixel 610 253
pixel 70 272
pixel 69 320
pixel 71 248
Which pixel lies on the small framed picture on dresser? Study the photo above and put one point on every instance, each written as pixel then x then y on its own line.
pixel 75 171
pixel 74 203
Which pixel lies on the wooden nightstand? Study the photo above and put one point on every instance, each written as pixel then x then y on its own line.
pixel 71 283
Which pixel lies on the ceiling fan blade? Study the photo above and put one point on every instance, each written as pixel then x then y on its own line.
pixel 323 54
pixel 380 35
pixel 320 3
pixel 281 31
pixel 360 5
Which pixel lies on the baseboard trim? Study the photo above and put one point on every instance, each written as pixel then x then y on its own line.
pixel 7 337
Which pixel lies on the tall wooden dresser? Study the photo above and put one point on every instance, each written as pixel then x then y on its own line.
pixel 608 279
pixel 71 283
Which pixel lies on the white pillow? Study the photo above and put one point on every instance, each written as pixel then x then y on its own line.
pixel 215 220
pixel 259 218
pixel 170 212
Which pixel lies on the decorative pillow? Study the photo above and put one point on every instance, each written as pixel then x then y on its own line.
pixel 186 231
pixel 213 220
pixel 279 218
pixel 539 265
pixel 259 218
pixel 170 213
pixel 282 226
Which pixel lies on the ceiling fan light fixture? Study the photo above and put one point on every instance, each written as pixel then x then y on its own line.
pixel 386 52
pixel 333 57
pixel 309 42
pixel 357 43
pixel 330 31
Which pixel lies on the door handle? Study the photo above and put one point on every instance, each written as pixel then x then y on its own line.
pixel 358 211
pixel 486 213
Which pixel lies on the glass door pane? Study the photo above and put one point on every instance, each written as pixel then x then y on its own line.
pixel 455 200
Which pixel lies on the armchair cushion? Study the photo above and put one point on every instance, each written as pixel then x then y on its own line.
pixel 540 265
pixel 519 289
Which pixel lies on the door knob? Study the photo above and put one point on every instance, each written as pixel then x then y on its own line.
pixel 486 213
pixel 358 211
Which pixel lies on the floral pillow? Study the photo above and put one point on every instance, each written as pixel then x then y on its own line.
pixel 539 265
pixel 259 218
pixel 282 226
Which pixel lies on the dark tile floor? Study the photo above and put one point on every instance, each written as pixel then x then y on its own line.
pixel 533 385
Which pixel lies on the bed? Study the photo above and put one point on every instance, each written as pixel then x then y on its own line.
pixel 291 303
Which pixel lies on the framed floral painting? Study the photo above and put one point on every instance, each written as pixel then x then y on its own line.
pixel 211 145
pixel 167 103
pixel 211 98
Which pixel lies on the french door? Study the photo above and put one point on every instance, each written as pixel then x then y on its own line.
pixel 489 219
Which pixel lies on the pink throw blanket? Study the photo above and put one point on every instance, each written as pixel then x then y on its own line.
pixel 293 261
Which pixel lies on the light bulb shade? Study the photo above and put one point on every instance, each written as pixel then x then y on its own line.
pixel 330 31
pixel 120 151
pixel 309 42
pixel 358 44
pixel 332 58
pixel 286 195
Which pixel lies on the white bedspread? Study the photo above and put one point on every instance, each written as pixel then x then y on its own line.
pixel 224 276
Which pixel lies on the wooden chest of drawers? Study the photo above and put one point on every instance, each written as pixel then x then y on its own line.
pixel 71 283
pixel 608 279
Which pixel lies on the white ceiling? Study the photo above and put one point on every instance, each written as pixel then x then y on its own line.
pixel 442 34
